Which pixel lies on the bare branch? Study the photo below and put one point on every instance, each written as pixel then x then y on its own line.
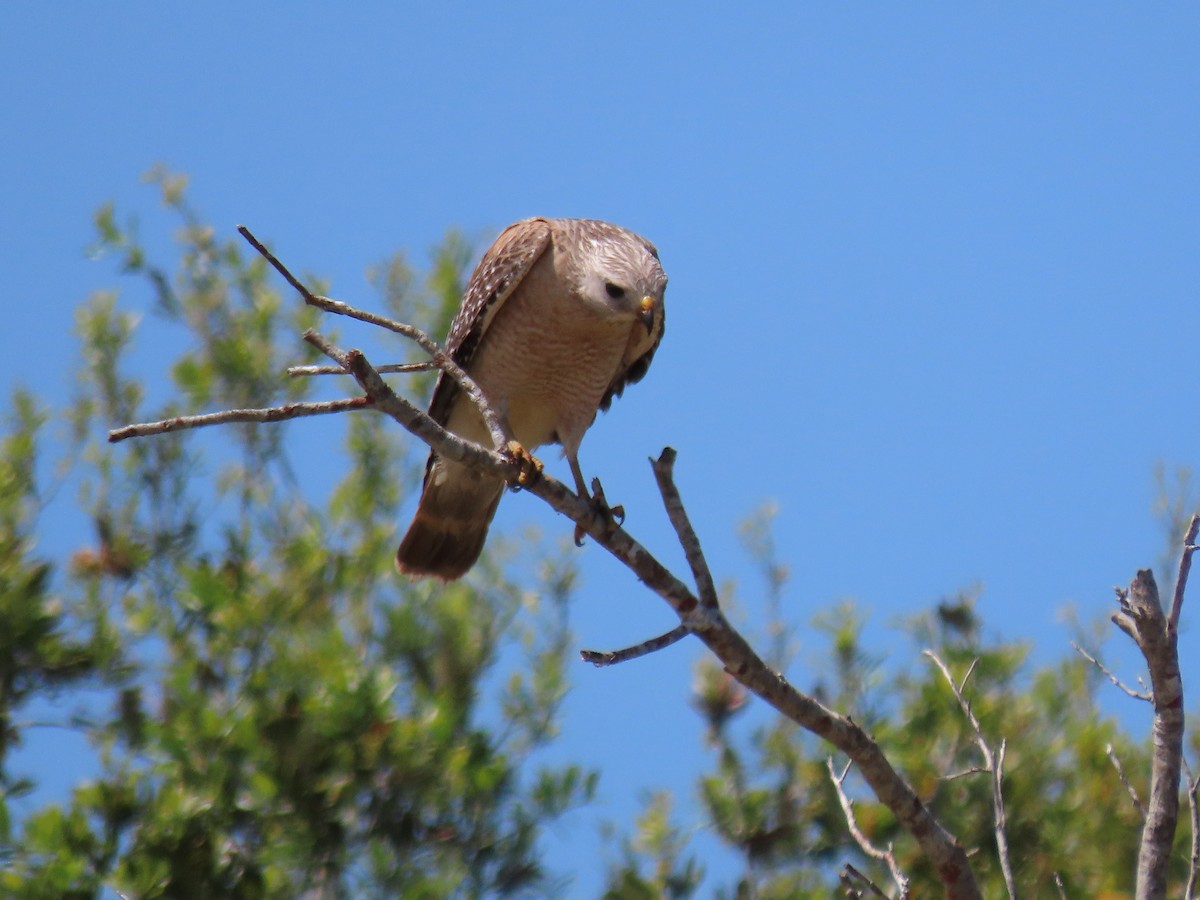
pixel 850 877
pixel 270 414
pixel 440 358
pixel 710 625
pixel 886 856
pixel 1185 566
pixel 612 657
pixel 664 473
pixel 1194 814
pixel 1058 883
pixel 1133 795
pixel 318 340
pixel 974 770
pixel 1141 617
pixel 1136 695
pixel 994 764
pixel 962 685
pixel 388 369
pixel 448 444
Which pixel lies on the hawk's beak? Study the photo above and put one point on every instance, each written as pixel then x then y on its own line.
pixel 646 313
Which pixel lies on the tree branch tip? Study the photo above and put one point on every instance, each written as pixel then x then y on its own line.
pixel 601 659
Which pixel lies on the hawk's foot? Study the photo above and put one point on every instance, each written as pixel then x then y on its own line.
pixel 610 517
pixel 529 467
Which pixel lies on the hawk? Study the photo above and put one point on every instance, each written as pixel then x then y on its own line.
pixel 559 315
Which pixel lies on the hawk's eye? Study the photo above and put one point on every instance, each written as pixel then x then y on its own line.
pixel 614 290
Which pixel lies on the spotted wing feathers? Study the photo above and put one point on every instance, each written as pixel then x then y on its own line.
pixel 506 262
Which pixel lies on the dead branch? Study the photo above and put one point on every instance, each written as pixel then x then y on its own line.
pixel 683 529
pixel 886 855
pixel 388 369
pixel 699 616
pixel 973 770
pixel 1136 695
pixel 439 357
pixel 271 414
pixel 856 883
pixel 1133 794
pixel 1193 787
pixel 1185 566
pixel 652 645
pixel 993 763
pixel 1141 617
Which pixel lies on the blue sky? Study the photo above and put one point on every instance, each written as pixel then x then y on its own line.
pixel 934 272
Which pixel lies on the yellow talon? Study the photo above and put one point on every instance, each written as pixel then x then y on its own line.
pixel 529 466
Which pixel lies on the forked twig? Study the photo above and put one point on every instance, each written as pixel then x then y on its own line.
pixel 1136 695
pixel 855 882
pixel 1129 788
pixel 887 855
pixel 441 359
pixel 993 763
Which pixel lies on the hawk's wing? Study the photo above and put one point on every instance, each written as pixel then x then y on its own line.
pixel 503 266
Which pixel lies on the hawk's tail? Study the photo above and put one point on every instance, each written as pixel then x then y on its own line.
pixel 447 533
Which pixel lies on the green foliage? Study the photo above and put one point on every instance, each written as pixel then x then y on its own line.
pixel 276 712
pixel 42 651
pixel 669 873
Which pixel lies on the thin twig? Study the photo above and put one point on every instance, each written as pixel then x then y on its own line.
pixel 1136 695
pixel 448 444
pixel 318 340
pixel 270 414
pixel 441 359
pixel 1058 883
pixel 962 685
pixel 664 468
pixel 1185 566
pixel 886 856
pixel 1194 815
pixel 1133 795
pixel 388 369
pixel 612 657
pixel 850 876
pixel 995 765
pixel 974 770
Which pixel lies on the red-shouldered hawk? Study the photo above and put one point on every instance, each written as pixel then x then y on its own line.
pixel 559 315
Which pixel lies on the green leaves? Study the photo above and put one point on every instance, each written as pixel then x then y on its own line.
pixel 275 712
